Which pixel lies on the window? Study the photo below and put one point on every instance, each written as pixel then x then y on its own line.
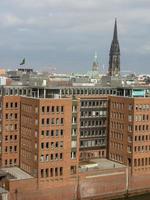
pixel 42 173
pixel 61 132
pixel 61 144
pixel 57 121
pixel 57 109
pixel 47 157
pixel 62 109
pixel 46 173
pixel 56 156
pixel 52 121
pixel 42 122
pixel 53 109
pixel 42 145
pixel 48 109
pixel 42 133
pixel 10 149
pixel 42 158
pixel 129 118
pixel 52 133
pixel 62 121
pixel 61 156
pixel 47 121
pixel 57 133
pixel 5 162
pixel 56 171
pixel 56 144
pixel 6 116
pixel 51 172
pixel 73 144
pixel 130 107
pixel 47 145
pixel 47 132
pixel 61 171
pixel 6 137
pixel 43 109
pixel 73 170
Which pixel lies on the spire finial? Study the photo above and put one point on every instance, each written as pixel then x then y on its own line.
pixel 115 37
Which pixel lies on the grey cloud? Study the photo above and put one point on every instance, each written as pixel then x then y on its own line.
pixel 67 32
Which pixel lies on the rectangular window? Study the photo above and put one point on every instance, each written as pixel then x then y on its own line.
pixel 62 121
pixel 57 109
pixel 43 109
pixel 62 109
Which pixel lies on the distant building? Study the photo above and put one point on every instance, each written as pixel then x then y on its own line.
pixel 114 55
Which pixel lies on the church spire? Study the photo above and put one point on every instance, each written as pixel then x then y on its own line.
pixel 114 55
pixel 95 66
pixel 115 37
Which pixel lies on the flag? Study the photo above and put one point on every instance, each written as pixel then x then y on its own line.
pixel 23 62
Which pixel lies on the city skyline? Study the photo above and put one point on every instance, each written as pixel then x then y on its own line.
pixel 66 34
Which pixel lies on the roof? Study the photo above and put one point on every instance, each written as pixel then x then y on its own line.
pixel 2 190
pixel 99 164
pixel 16 172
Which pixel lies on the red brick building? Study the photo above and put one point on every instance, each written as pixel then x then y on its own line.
pixel 129 133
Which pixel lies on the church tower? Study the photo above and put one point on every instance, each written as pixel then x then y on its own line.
pixel 114 55
pixel 95 66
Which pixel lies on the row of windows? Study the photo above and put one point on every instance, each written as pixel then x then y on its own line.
pixel 93 103
pixel 142 148
pixel 88 91
pixel 117 135
pixel 140 107
pixel 142 127
pixel 141 117
pixel 93 133
pixel 11 162
pixel 117 125
pixel 116 157
pixel 118 106
pixel 142 138
pixel 27 120
pixel 26 131
pixel 51 157
pixel 45 173
pixel 117 115
pixel 10 137
pixel 52 145
pixel 52 109
pixel 26 107
pixel 141 162
pixel 93 123
pixel 52 133
pixel 92 143
pixel 87 155
pixel 27 154
pixel 11 127
pixel 10 149
pixel 11 105
pixel 120 126
pixel 138 118
pixel 11 116
pixel 93 113
pixel 116 145
pixel 52 121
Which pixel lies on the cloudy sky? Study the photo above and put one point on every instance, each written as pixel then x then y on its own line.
pixel 64 34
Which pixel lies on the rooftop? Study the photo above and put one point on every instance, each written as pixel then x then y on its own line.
pixel 99 164
pixel 16 172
